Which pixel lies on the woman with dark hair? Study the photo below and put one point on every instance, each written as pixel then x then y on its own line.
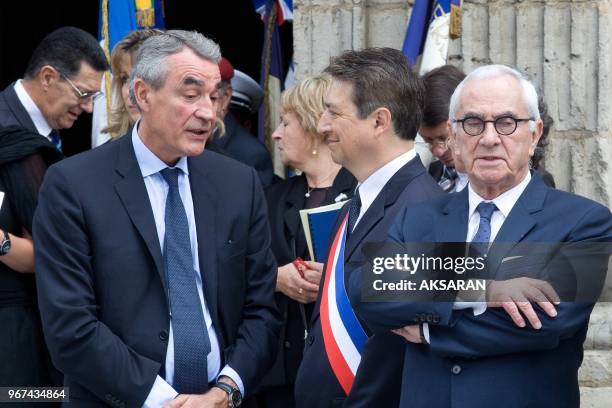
pixel 24 158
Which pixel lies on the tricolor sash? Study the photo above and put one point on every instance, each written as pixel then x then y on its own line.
pixel 343 336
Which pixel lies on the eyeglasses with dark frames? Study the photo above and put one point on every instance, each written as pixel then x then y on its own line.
pixel 504 125
pixel 83 96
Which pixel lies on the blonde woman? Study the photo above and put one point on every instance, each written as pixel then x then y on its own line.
pixel 124 113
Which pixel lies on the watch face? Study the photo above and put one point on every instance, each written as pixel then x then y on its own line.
pixel 5 247
pixel 236 398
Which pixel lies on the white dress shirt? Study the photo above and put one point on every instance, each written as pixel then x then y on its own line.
pixel 42 126
pixel 157 189
pixel 504 202
pixel 461 182
pixel 372 186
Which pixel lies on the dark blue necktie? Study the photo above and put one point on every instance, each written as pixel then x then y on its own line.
pixel 55 139
pixel 483 235
pixel 191 341
pixel 354 209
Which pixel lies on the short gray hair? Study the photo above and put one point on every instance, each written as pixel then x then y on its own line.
pixel 530 94
pixel 150 64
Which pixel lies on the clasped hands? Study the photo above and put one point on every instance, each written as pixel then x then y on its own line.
pixel 516 296
pixel 300 280
pixel 213 398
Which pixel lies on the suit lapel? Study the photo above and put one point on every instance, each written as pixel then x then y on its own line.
pixel 205 213
pixel 452 226
pixel 519 222
pixel 18 109
pixel 133 194
pixel 387 197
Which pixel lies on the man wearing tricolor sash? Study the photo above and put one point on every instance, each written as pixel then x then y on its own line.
pixel 373 110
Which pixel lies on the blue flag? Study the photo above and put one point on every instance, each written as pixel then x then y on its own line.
pixel 428 32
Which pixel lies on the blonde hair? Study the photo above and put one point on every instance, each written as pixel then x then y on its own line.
pixel 120 120
pixel 305 101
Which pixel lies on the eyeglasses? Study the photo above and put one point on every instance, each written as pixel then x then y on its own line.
pixel 83 96
pixel 504 125
pixel 436 143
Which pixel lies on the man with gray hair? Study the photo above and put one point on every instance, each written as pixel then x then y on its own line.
pixel 477 354
pixel 156 282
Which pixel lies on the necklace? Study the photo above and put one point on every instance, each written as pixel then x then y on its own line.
pixel 307 195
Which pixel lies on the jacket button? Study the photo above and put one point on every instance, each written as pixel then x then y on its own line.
pixel 429 318
pixel 163 335
pixel 436 319
pixel 287 344
pixel 456 369
pixel 310 340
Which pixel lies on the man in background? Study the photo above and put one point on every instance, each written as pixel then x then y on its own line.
pixel 236 141
pixel 440 83
pixel 61 81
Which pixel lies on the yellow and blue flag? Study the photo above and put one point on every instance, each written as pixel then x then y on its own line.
pixel 117 18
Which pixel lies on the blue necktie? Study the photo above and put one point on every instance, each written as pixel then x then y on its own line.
pixel 191 341
pixel 354 209
pixel 483 235
pixel 55 139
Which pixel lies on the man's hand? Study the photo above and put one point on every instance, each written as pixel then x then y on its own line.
pixel 290 283
pixel 411 333
pixel 213 398
pixel 516 295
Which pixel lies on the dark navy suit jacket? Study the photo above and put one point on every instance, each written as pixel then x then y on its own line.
pixel 377 383
pixel 101 280
pixel 487 361
pixel 12 111
pixel 239 144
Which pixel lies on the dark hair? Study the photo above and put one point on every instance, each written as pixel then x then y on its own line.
pixel 64 49
pixel 440 83
pixel 547 122
pixel 381 77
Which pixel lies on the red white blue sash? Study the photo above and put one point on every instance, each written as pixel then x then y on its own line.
pixel 343 336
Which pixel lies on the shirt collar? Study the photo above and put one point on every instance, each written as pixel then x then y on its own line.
pixel 504 201
pixel 42 126
pixel 371 187
pixel 148 162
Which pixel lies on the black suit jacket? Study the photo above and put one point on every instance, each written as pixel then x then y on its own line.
pixel 239 144
pixel 285 200
pixel 12 111
pixel 101 280
pixel 378 379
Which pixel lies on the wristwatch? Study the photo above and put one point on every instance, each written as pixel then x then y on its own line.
pixel 5 245
pixel 234 394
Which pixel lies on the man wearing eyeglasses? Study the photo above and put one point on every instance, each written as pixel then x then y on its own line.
pixel 505 349
pixel 439 86
pixel 61 81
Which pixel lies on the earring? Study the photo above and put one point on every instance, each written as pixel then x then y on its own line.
pixel 314 152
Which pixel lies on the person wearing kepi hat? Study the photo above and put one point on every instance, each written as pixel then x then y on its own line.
pixel 236 141
pixel 247 95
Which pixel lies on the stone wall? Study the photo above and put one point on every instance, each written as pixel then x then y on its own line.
pixel 565 45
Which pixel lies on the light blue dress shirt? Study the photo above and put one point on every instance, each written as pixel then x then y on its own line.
pixel 157 189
